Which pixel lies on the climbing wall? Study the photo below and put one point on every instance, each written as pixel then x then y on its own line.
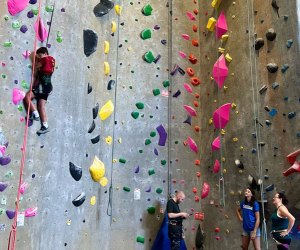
pixel 168 95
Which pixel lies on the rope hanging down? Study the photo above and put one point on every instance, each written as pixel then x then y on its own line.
pixel 13 231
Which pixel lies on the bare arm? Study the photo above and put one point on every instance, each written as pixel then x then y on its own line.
pixel 176 215
pixel 238 213
pixel 284 212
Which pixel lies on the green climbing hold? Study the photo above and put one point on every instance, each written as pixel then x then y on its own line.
pixel 156 92
pixel 147 141
pixel 20 107
pixel 151 116
pixel 151 210
pixel 141 151
pixel 176 142
pixel 35 10
pixel 49 8
pixel 3 76
pixel 135 114
pixel 8 44
pixel 59 39
pixel 2 211
pixel 151 171
pixel 166 83
pixel 16 24
pixel 130 87
pixel 147 10
pixel 24 84
pixel 122 160
pixel 149 57
pixel 163 162
pixel 1 112
pixel 152 133
pixel 139 105
pixel 159 190
pixel 6 17
pixel 126 189
pixel 9 174
pixel 140 239
pixel 146 34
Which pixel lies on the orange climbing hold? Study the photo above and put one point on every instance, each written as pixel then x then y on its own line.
pixel 197 162
pixel 195 11
pixel 185 142
pixel 190 71
pixel 195 42
pixel 195 81
pixel 197 95
pixel 197 128
pixel 198 174
pixel 193 59
pixel 195 28
pixel 196 104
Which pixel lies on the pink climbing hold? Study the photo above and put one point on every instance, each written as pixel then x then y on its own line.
pixel 40 30
pixel 191 16
pixel 221 116
pixel 30 212
pixel 185 36
pixel 182 54
pixel 23 187
pixel 220 71
pixel 216 167
pixel 188 88
pixel 205 190
pixel 192 144
pixel 16 6
pixel 18 96
pixel 221 25
pixel 26 54
pixel 190 110
pixel 2 150
pixel 216 145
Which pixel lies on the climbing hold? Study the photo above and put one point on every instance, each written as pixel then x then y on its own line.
pixel 147 10
pixel 15 24
pixel 40 30
pixel 291 115
pixel 259 43
pixel 5 160
pixel 182 54
pixel 156 92
pixel 151 210
pixel 14 7
pixel 275 6
pixel 188 120
pixel 10 214
pixel 3 186
pixel 103 8
pixel 166 83
pixel 106 110
pixel 275 85
pixel 126 189
pixel 192 144
pixel 289 43
pixel 97 169
pixel 195 28
pixel 113 26
pixel 195 81
pixel 221 25
pixel 135 114
pixel 221 116
pixel 17 96
pixel 228 58
pixel 158 190
pixel 137 170
pixel 146 34
pixel 220 71
pixel 92 127
pixel 140 105
pixel 185 36
pixel 273 112
pixel 190 110
pixel 239 164
pixel 103 181
pixel 93 200
pixel 174 70
pixel 118 9
pixel 95 139
pixel 151 171
pixel 271 35
pixel 272 67
pixel 110 84
pixel 108 140
pixel 75 171
pixel 90 41
pixel 89 88
pixel 188 88
pixel 216 144
pixel 216 3
pixel 147 142
pixel 217 166
pixel 195 42
pixel 190 16
pixel 205 190
pixel 106 47
pixel 190 71
pixel 106 68
pixel 79 200
pixel 284 68
pixel 193 59
pixel 149 57
pixel 140 239
pixel 270 188
pixel 211 24
pixel 162 135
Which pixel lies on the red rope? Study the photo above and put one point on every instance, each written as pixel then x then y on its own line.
pixel 13 231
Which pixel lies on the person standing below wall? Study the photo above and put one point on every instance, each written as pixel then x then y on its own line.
pixel 248 213
pixel 175 220
pixel 282 222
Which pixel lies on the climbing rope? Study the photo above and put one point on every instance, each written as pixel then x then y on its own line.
pixel 13 231
pixel 254 84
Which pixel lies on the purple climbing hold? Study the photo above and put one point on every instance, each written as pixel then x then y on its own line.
pixel 5 160
pixel 30 14
pixel 188 120
pixel 156 27
pixel 10 214
pixel 23 28
pixel 148 190
pixel 3 186
pixel 163 42
pixel 162 135
pixel 157 58
pixel 32 1
pixel 137 169
pixel 177 93
pixel 155 151
pixel 174 70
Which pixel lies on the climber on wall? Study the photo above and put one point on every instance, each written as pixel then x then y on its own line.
pixel 250 218
pixel 175 220
pixel 41 88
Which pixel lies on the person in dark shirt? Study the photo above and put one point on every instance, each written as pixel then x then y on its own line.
pixel 175 219
pixel 41 88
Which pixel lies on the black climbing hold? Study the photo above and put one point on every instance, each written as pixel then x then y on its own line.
pixel 285 17
pixel 261 143
pixel 268 123
pixel 92 127
pixel 95 111
pixel 270 188
pixel 188 120
pixel 291 115
pixel 75 171
pixel 103 8
pixel 284 68
pixel 89 88
pixel 90 41
pixel 157 58
pixel 239 164
pixel 259 43
pixel 110 84
pixel 78 201
pixel 267 108
pixel 181 71
pixel 289 43
pixel 272 67
pixel 252 182
pixel 200 237
pixel 275 6
pixel 271 34
pixel 275 85
pixel 263 89
pixel 96 139
pixel 178 93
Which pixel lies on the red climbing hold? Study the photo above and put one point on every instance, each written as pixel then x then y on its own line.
pixel 193 59
pixel 190 71
pixel 195 28
pixel 195 42
pixel 195 81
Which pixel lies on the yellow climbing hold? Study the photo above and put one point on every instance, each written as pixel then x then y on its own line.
pixel 120 140
pixel 241 148
pixel 108 140
pixel 115 161
pixel 224 171
pixel 118 9
pixel 225 88
pixel 103 181
pixel 233 105
pixel 221 50
pixel 113 26
pixel 106 47
pixel 211 24
pixel 228 58
pixel 106 68
pixel 223 159
pixel 235 139
pixel 106 110
pixel 210 122
pixel 224 38
pixel 215 3
pixel 222 132
pixel 93 200
pixel 97 169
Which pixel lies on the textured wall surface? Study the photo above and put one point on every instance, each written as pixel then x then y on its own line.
pixel 117 218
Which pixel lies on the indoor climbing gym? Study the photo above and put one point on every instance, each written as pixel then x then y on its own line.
pixel 150 125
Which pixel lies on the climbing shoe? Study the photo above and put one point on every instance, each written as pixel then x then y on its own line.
pixel 43 130
pixel 34 118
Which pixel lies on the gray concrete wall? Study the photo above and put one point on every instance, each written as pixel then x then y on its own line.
pixel 60 225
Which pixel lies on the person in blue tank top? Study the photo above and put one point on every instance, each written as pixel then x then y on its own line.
pixel 248 213
pixel 282 222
